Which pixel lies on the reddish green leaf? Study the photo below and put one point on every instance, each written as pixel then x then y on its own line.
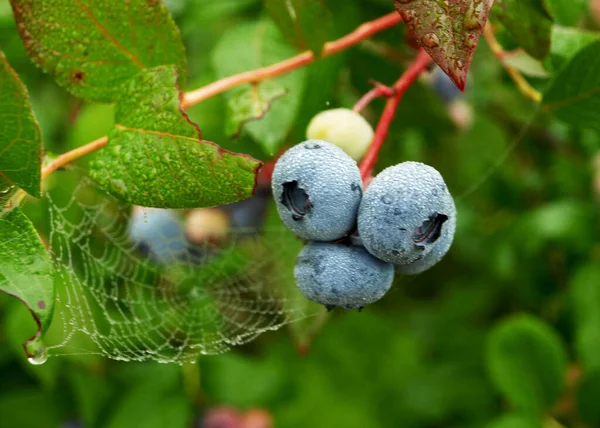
pixel 449 30
pixel 93 46
pixel 20 136
pixel 156 157
pixel 304 23
pixel 27 272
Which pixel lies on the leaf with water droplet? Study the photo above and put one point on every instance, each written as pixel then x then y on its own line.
pixel 27 273
pixel 92 47
pixel 155 155
pixel 448 30
pixel 20 136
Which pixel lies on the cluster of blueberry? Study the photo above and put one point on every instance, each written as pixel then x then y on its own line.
pixel 404 221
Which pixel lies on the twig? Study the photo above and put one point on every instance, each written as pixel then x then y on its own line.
pixel 521 82
pixel 410 75
pixel 378 91
pixel 363 32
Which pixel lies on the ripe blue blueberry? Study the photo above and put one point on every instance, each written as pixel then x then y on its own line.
pixel 341 275
pixel 437 253
pixel 317 188
pixel 404 212
pixel 158 233
pixel 444 87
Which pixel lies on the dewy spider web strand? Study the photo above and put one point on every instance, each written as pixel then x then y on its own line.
pixel 128 307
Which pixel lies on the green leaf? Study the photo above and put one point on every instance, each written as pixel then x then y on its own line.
pixel 528 22
pixel 574 94
pixel 156 157
pixel 91 47
pixel 27 273
pixel 527 362
pixel 155 400
pixel 448 31
pixel 566 42
pixel 567 12
pixel 253 45
pixel 585 295
pixel 515 421
pixel 527 65
pixel 588 391
pixel 304 23
pixel 251 104
pixel 20 136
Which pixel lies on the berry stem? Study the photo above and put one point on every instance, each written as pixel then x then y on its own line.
pixel 420 63
pixel 378 91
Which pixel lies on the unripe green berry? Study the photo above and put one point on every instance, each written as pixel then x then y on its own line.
pixel 343 127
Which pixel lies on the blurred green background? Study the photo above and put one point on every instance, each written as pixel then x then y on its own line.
pixel 504 331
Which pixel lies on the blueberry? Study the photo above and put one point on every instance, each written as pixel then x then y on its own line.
pixel 341 275
pixel 439 250
pixel 405 210
pixel 444 87
pixel 317 188
pixel 158 233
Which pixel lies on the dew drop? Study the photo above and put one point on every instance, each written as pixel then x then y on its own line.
pixel 460 64
pixel 386 199
pixel 40 356
pixel 431 40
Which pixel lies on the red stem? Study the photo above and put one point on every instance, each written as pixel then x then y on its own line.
pixel 378 91
pixel 402 84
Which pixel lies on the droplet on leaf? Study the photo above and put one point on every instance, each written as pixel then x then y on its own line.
pixel 430 40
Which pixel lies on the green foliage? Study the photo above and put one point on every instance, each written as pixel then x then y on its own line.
pixel 449 32
pixel 20 139
pixel 528 22
pixel 26 272
pixel 251 104
pixel 252 45
pixel 304 23
pixel 527 362
pixel 515 421
pixel 444 347
pixel 566 43
pixel 586 298
pixel 574 94
pixel 567 12
pixel 156 157
pixel 93 47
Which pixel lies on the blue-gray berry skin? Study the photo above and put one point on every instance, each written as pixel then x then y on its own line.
pixel 317 188
pixel 341 275
pixel 437 253
pixel 404 212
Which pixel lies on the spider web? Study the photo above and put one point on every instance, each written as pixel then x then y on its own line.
pixel 117 301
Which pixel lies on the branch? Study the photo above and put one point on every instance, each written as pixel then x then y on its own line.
pixel 420 63
pixel 363 32
pixel 378 91
pixel 521 82
pixel 192 98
